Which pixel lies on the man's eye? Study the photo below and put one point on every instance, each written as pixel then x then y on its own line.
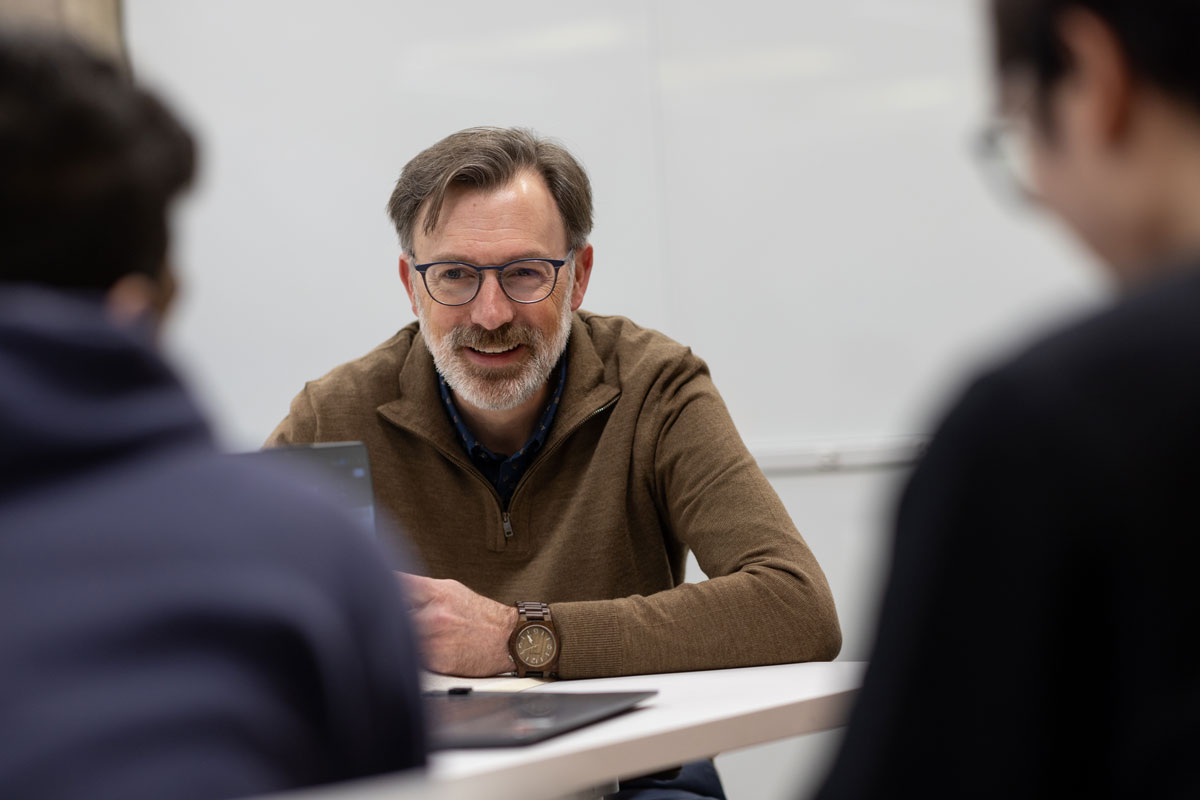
pixel 455 274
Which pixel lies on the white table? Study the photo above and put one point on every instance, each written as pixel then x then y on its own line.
pixel 695 715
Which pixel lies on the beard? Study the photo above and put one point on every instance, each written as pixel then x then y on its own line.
pixel 498 388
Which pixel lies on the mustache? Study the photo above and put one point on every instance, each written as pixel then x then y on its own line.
pixel 506 337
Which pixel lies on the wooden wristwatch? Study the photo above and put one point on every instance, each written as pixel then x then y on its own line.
pixel 533 644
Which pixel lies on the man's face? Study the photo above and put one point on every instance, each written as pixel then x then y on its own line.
pixel 494 352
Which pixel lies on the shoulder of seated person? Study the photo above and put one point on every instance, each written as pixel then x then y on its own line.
pixel 370 374
pixel 617 337
pixel 1122 350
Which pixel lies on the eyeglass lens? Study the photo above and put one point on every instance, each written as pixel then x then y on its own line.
pixel 524 282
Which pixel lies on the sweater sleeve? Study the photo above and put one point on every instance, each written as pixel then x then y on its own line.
pixel 766 600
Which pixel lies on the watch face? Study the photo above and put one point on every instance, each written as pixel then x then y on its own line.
pixel 536 646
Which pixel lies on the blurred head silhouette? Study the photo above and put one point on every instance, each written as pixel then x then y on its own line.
pixel 1103 98
pixel 90 165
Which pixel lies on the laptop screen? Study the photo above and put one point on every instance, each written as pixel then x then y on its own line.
pixel 339 469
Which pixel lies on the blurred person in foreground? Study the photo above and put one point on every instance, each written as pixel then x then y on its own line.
pixel 173 623
pixel 1038 634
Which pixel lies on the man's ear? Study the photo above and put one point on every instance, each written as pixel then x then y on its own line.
pixel 406 277
pixel 137 296
pixel 583 273
pixel 1100 78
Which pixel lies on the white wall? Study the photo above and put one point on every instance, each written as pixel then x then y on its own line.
pixel 786 187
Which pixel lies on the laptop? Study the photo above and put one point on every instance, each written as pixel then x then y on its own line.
pixel 341 470
pixel 469 719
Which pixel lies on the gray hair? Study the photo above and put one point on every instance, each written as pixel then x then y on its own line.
pixel 486 158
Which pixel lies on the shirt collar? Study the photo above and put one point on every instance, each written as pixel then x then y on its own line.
pixel 540 431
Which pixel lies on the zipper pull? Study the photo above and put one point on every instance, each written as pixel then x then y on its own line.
pixel 508 533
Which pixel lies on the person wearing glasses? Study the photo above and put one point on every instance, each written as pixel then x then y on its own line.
pixel 554 466
pixel 1038 634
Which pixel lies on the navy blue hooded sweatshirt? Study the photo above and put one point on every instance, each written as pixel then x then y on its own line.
pixel 174 622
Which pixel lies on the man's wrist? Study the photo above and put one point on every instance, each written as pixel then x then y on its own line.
pixel 506 625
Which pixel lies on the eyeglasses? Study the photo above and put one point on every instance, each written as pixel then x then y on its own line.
pixel 1003 150
pixel 526 280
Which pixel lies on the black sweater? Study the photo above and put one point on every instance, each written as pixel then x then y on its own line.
pixel 1039 630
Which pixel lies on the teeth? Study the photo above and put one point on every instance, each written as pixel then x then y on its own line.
pixel 492 352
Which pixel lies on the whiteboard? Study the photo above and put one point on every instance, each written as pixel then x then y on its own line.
pixel 785 187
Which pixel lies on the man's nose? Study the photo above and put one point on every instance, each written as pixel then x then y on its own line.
pixel 491 308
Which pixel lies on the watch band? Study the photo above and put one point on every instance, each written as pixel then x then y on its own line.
pixel 527 613
pixel 534 612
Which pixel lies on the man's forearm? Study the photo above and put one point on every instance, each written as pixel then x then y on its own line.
pixel 761 615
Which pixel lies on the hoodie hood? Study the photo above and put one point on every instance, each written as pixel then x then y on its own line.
pixel 76 390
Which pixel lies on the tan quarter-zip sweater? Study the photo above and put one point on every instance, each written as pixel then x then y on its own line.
pixel 643 464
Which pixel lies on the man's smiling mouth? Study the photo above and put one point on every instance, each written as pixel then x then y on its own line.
pixel 491 351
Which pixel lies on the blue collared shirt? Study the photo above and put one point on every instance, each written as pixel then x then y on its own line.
pixel 505 472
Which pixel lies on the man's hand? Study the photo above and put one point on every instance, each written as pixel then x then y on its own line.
pixel 460 632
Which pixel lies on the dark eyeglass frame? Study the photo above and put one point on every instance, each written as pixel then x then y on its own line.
pixel 989 150
pixel 557 263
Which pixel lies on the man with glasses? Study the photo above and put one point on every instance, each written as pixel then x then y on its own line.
pixel 553 466
pixel 1038 637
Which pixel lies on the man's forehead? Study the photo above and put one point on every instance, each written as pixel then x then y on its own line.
pixel 517 220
